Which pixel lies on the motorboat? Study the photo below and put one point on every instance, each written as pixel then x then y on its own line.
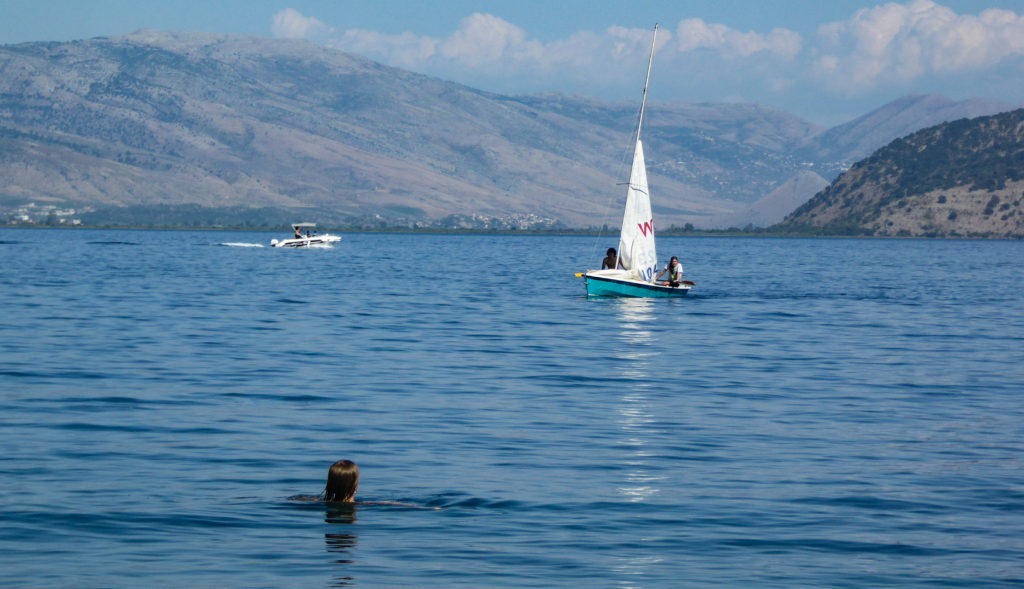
pixel 311 238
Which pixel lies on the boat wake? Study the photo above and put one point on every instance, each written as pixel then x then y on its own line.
pixel 240 244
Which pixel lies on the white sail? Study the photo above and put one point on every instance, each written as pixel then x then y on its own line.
pixel 636 242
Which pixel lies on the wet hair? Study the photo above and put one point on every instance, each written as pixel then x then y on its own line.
pixel 610 252
pixel 342 481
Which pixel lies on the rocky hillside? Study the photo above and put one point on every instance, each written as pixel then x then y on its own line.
pixel 176 126
pixel 964 178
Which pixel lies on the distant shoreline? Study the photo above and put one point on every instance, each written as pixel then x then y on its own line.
pixel 539 232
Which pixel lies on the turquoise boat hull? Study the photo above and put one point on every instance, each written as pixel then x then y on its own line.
pixel 601 286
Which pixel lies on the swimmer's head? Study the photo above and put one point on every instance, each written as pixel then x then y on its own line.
pixel 342 481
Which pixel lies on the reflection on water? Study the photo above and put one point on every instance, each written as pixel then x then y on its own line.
pixel 633 314
pixel 635 355
pixel 638 358
pixel 343 542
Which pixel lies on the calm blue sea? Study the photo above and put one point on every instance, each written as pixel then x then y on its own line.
pixel 819 413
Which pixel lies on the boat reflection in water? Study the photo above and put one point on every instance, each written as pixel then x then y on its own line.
pixel 638 358
pixel 635 414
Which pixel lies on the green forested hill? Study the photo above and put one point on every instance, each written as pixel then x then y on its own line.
pixel 963 178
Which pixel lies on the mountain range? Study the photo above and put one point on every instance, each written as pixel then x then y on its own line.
pixel 156 125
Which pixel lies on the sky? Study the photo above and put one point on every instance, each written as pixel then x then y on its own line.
pixel 827 61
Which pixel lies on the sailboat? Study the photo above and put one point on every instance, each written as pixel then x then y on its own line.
pixel 634 272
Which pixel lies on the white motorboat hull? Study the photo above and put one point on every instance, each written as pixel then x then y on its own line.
pixel 325 240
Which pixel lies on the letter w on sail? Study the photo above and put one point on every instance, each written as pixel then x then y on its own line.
pixel 647 227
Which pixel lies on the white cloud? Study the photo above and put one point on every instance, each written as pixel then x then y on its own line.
pixel 484 40
pixel 894 47
pixel 895 43
pixel 291 24
pixel 484 43
pixel 694 33
pixel 622 41
pixel 403 50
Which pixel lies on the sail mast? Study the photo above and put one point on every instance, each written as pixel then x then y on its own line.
pixel 643 102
